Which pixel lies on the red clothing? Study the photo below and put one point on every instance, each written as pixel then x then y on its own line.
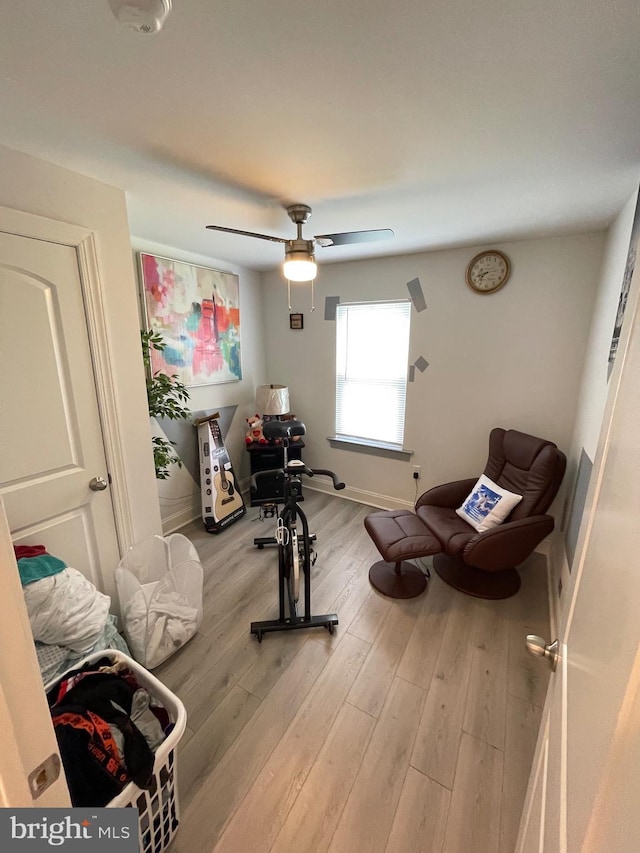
pixel 29 551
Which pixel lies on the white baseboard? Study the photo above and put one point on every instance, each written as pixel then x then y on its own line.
pixel 557 574
pixel 174 522
pixel 358 495
pixel 543 547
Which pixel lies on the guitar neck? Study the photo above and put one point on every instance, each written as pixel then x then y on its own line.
pixel 216 436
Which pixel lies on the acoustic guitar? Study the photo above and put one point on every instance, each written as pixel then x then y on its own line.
pixel 222 503
pixel 227 496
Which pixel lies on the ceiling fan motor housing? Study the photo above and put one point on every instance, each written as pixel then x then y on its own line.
pixel 296 247
pixel 299 213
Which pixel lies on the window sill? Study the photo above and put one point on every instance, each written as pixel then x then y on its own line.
pixel 374 448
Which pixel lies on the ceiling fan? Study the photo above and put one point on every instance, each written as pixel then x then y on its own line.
pixel 299 255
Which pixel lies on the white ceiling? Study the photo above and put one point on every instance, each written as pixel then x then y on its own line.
pixel 450 121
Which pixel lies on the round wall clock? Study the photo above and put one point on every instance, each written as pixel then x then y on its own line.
pixel 488 271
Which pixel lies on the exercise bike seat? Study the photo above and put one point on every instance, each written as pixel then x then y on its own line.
pixel 283 429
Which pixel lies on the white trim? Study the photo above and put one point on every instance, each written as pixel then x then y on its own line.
pixel 360 496
pixel 179 519
pixel 82 240
pixel 107 401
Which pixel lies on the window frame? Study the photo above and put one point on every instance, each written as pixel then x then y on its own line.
pixel 367 443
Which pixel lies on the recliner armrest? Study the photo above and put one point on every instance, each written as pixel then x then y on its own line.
pixel 509 544
pixel 448 495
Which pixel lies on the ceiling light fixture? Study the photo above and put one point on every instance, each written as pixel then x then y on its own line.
pixel 299 262
pixel 299 259
pixel 143 16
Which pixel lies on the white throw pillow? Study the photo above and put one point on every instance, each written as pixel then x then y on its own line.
pixel 488 505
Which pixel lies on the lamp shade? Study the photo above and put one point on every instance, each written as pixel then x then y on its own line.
pixel 272 399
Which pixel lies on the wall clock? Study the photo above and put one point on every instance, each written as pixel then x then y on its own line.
pixel 488 271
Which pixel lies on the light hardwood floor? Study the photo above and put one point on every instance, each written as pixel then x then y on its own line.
pixel 411 729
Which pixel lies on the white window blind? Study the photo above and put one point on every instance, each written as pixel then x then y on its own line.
pixel 372 350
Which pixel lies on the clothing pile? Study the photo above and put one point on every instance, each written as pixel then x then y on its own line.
pixel 107 728
pixel 69 617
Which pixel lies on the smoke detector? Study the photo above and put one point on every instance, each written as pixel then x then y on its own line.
pixel 144 16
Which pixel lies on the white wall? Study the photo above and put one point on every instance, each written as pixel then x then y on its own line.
pixel 512 359
pixel 594 383
pixel 179 495
pixel 40 188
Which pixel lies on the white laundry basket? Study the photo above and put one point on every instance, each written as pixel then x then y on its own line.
pixel 158 809
pixel 159 584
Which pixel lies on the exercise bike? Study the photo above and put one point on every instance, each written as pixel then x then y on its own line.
pixel 295 546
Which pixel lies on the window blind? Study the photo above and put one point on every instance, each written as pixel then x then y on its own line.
pixel 372 350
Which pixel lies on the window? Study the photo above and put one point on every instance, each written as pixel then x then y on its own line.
pixel 372 352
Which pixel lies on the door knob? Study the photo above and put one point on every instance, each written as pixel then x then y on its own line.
pixel 98 484
pixel 537 647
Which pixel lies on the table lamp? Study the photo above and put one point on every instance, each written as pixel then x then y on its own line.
pixel 272 400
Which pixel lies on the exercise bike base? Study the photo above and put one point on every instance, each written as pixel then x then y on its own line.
pixel 329 621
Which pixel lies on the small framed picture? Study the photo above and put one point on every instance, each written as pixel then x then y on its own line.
pixel 296 321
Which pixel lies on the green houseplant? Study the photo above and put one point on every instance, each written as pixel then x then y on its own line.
pixel 166 396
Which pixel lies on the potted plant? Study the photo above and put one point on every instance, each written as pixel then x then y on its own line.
pixel 165 396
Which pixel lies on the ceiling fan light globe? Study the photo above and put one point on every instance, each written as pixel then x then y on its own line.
pixel 302 268
pixel 143 16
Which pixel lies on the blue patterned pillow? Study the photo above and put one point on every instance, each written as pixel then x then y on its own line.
pixel 488 505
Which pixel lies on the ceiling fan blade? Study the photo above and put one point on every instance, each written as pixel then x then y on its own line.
pixel 247 233
pixel 348 237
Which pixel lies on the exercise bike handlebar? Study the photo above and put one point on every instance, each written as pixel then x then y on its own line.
pixel 338 485
pixel 301 469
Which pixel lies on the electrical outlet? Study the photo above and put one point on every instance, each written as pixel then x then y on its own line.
pixel 417 470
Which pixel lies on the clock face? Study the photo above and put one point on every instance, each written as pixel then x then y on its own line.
pixel 488 271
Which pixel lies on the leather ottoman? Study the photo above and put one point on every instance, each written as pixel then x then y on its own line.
pixel 399 535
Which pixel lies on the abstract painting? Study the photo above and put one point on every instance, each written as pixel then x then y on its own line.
pixel 197 312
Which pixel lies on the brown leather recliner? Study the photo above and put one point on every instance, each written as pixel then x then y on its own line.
pixel 480 564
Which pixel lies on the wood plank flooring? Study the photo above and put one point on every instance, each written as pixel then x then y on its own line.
pixel 412 728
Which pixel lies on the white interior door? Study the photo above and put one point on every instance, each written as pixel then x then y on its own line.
pixel 30 766
pixel 583 792
pixel 51 439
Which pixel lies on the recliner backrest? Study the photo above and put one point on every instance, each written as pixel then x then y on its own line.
pixel 527 465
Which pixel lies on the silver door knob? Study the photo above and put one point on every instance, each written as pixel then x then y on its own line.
pixel 98 484
pixel 537 647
